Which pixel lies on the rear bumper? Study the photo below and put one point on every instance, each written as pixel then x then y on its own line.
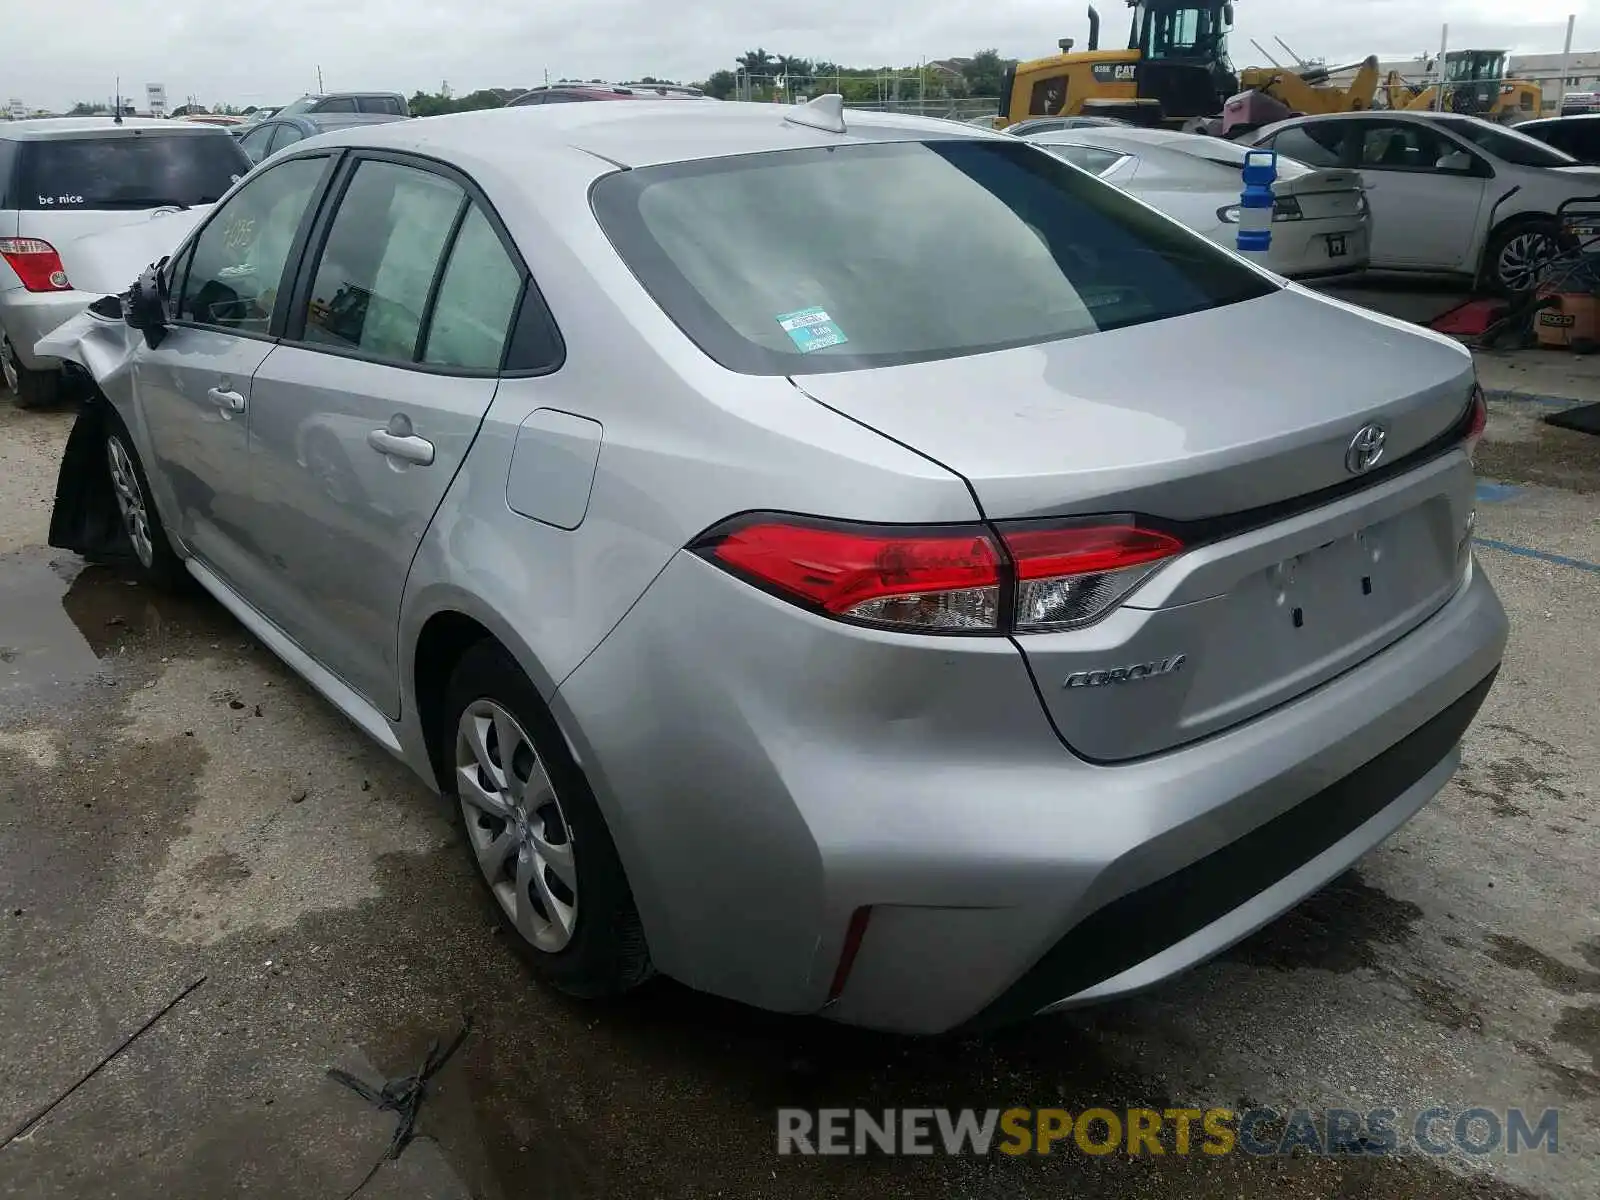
pixel 28 316
pixel 766 773
pixel 1301 253
pixel 1184 918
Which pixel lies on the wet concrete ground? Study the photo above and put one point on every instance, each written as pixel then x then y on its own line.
pixel 174 805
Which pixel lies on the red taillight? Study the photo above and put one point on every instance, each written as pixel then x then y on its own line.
pixel 942 579
pixel 1086 550
pixel 1071 574
pixel 939 579
pixel 1477 421
pixel 36 263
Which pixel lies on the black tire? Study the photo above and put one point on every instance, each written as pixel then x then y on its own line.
pixel 160 567
pixel 35 389
pixel 606 954
pixel 1531 235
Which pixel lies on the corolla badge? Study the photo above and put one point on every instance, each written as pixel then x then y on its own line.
pixel 1131 674
pixel 1366 448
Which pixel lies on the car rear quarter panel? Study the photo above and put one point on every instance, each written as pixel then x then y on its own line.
pixel 684 444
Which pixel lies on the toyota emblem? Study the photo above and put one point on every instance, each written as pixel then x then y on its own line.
pixel 1366 448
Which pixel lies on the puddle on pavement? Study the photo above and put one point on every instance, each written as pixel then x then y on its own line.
pixel 62 618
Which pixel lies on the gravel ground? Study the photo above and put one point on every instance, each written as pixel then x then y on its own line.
pixel 175 806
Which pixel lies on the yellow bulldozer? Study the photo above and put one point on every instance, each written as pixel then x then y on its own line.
pixel 1474 82
pixel 1174 68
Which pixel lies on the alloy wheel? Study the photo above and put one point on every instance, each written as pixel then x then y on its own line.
pixel 1525 259
pixel 519 835
pixel 8 366
pixel 130 499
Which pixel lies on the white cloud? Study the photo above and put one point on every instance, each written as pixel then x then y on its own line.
pixel 258 53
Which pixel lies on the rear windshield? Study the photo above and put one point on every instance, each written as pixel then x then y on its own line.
pixel 128 171
pixel 832 259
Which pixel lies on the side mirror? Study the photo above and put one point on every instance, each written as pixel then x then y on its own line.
pixel 145 306
pixel 1458 162
pixel 1227 15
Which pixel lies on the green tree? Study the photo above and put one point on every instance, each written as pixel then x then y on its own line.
pixel 720 86
pixel 428 104
pixel 984 72
pixel 81 109
pixel 757 63
pixel 480 99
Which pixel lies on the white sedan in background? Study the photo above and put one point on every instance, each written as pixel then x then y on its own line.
pixel 1451 194
pixel 1320 223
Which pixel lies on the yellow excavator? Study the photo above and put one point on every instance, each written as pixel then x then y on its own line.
pixel 1474 83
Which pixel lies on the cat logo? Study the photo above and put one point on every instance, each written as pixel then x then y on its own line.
pixel 1115 72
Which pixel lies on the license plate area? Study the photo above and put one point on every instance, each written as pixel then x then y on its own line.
pixel 1309 616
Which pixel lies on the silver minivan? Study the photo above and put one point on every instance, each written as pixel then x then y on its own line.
pixel 64 178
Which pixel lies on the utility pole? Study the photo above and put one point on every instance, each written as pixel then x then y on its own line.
pixel 1444 48
pixel 1566 65
pixel 319 80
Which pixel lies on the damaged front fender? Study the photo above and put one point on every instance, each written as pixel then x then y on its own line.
pixel 85 517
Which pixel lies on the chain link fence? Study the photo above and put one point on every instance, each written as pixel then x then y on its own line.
pixel 924 94
pixel 965 108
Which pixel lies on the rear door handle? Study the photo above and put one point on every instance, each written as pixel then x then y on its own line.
pixel 408 448
pixel 228 402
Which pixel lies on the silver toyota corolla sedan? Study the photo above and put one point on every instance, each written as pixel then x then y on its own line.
pixel 847 563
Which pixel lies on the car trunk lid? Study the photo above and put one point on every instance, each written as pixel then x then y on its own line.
pixel 1233 428
pixel 1323 194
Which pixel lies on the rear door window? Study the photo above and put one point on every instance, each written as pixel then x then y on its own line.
pixel 1314 145
pixel 383 250
pixel 870 255
pixel 131 170
pixel 342 104
pixel 1397 146
pixel 479 293
pixel 382 104
pixel 256 142
pixel 286 135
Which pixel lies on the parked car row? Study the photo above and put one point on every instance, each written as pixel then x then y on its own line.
pixel 838 561
pixel 1445 194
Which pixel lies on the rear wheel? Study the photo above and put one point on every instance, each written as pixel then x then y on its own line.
pixel 535 834
pixel 31 389
pixel 158 563
pixel 1519 257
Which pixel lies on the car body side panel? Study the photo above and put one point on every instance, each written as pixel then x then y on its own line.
pixel 337 521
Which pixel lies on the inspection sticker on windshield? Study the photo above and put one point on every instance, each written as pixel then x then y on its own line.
pixel 812 329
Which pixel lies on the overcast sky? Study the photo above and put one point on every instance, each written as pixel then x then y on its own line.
pixel 61 51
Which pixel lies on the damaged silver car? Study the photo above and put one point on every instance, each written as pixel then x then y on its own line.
pixel 840 561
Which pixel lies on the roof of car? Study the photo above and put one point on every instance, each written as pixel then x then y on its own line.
pixel 51 128
pixel 1569 119
pixel 643 134
pixel 327 122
